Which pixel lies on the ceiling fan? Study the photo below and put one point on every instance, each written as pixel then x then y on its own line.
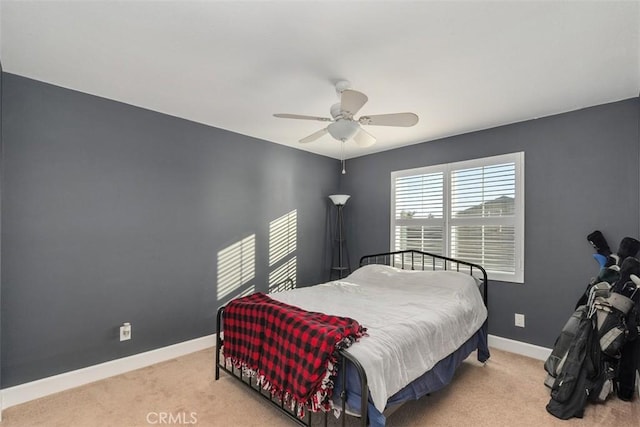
pixel 344 126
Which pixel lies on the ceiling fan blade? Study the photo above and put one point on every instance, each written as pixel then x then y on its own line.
pixel 395 119
pixel 364 138
pixel 351 101
pixel 302 117
pixel 314 136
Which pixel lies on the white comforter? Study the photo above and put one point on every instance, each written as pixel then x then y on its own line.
pixel 413 318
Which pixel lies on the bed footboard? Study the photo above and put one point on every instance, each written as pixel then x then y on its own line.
pixel 343 358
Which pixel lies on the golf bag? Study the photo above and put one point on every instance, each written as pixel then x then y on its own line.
pixel 579 375
pixel 596 351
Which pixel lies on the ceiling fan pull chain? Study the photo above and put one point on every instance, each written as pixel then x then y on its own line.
pixel 344 171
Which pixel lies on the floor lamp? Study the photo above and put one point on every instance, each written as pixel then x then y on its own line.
pixel 340 257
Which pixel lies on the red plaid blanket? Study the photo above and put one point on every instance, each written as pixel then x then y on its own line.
pixel 291 351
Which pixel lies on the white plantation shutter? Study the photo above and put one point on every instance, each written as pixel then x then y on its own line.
pixel 483 216
pixel 420 196
pixel 419 212
pixel 470 210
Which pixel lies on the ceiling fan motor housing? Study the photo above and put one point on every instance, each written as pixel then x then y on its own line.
pixel 336 111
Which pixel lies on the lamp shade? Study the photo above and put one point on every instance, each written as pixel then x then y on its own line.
pixel 339 199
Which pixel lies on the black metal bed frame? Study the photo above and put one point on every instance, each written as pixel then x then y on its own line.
pixel 407 260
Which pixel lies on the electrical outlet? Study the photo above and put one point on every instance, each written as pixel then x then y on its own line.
pixel 519 320
pixel 125 331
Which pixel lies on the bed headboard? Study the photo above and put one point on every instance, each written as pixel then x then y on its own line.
pixel 412 259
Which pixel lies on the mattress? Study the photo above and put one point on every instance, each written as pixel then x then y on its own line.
pixel 414 319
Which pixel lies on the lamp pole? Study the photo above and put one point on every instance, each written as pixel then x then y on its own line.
pixel 339 200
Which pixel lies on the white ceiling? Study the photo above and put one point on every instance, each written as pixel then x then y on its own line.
pixel 461 66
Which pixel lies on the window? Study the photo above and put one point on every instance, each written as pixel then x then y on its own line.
pixel 472 210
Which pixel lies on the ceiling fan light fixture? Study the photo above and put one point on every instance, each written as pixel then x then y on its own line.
pixel 343 130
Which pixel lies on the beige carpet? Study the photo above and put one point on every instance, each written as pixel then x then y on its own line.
pixel 507 391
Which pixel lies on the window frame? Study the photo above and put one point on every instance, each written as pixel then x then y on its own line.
pixel 447 222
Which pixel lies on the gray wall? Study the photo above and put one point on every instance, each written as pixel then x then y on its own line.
pixel 581 174
pixel 114 213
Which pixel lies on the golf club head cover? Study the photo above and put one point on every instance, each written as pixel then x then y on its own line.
pixel 601 260
pixel 606 261
pixel 600 244
pixel 628 248
pixel 609 275
pixel 629 266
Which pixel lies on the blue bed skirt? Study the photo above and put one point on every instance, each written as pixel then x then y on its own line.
pixel 435 379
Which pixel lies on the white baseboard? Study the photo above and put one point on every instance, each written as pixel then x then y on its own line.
pixel 36 389
pixel 519 347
